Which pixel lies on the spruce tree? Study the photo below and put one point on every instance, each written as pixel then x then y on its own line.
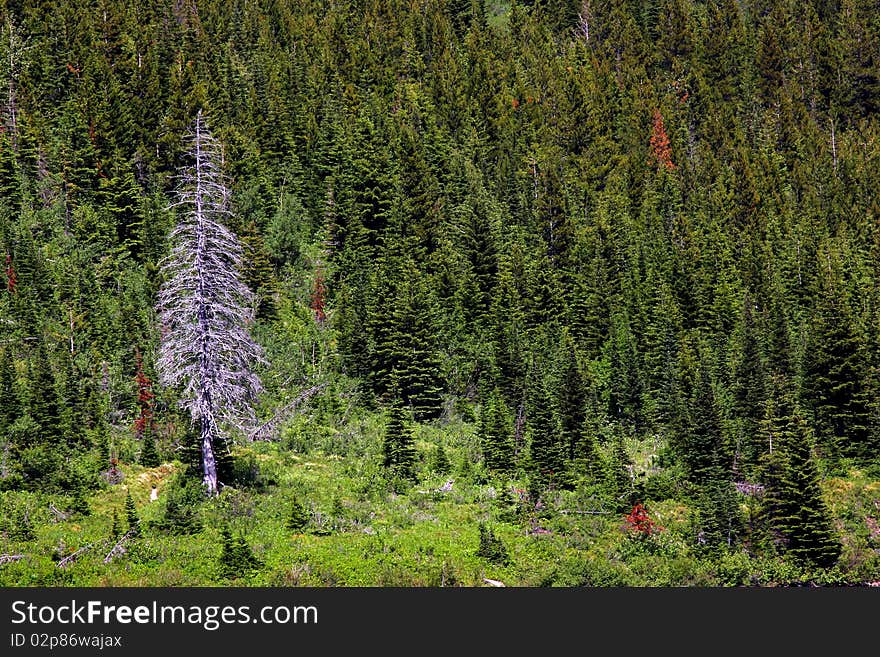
pixel 834 381
pixel 398 446
pixel 572 392
pixel 149 457
pixel 495 433
pixel 43 398
pixel 794 507
pixel 297 516
pixel 10 407
pixel 237 559
pixel 491 548
pixel 546 449
pixel 439 461
pixel 749 387
pixel 131 516
pixel 405 353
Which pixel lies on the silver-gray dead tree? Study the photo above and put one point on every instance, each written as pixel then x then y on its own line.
pixel 205 308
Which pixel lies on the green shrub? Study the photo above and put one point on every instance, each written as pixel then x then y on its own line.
pixel 492 548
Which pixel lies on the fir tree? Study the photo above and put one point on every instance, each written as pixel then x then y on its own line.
pixel 546 456
pixel 661 152
pixel 794 506
pixel 115 531
pixel 495 434
pixel 439 461
pixel 131 516
pixel 398 446
pixel 237 559
pixel 833 381
pixel 10 408
pixel 79 504
pixel 491 548
pixel 297 516
pixel 572 394
pixel 149 457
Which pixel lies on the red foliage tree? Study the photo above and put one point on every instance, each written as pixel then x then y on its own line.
pixel 145 398
pixel 10 275
pixel 661 151
pixel 319 298
pixel 639 523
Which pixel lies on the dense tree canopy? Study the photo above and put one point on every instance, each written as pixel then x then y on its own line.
pixel 574 225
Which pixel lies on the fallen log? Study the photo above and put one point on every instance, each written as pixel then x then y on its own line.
pixel 9 558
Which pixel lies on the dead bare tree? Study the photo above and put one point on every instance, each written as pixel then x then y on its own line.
pixel 205 308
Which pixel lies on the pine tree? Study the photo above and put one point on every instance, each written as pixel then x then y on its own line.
pixel 11 277
pixel 131 516
pixel 79 504
pixel 405 354
pixel 439 461
pixel 237 559
pixel 749 387
pixel 43 397
pixel 318 299
pixel 144 422
pixel 546 449
pixel 794 506
pixel 205 309
pixel 149 457
pixel 495 433
pixel 398 446
pixel 572 393
pixel 833 381
pixel 10 407
pixel 258 273
pixel 115 532
pixel 619 475
pixel 491 548
pixel 297 516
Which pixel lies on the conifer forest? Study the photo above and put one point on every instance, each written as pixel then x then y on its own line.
pixel 434 293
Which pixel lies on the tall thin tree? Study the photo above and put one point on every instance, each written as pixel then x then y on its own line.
pixel 205 308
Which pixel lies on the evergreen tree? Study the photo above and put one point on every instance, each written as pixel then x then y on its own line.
pixel 572 394
pixel 794 507
pixel 297 517
pixel 439 461
pixel 79 504
pixel 749 388
pixel 237 559
pixel 495 434
pixel 491 548
pixel 149 457
pixel 43 398
pixel 10 408
pixel 131 515
pixel 398 447
pixel 115 531
pixel 833 381
pixel 405 354
pixel 546 449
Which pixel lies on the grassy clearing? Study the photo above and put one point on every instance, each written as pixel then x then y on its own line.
pixel 364 530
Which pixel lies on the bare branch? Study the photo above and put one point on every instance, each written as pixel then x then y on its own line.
pixel 267 430
pixel 60 516
pixel 66 561
pixel 118 549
